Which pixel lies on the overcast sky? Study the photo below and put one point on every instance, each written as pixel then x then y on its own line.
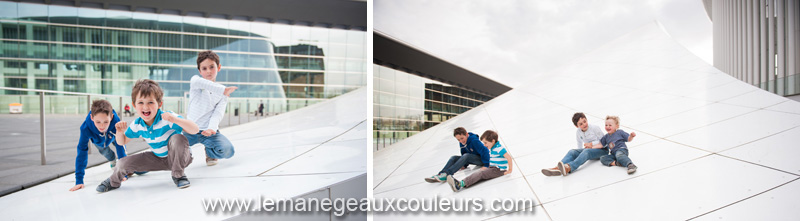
pixel 506 40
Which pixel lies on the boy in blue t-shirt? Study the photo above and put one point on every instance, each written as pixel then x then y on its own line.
pixel 500 164
pixel 97 129
pixel 162 130
pixel 615 140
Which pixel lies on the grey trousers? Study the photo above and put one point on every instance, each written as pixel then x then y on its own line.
pixel 485 174
pixel 178 157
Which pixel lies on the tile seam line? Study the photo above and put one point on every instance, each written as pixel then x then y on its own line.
pixel 518 168
pixel 742 200
pixel 323 143
pixel 409 157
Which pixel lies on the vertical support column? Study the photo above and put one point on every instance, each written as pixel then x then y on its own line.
pixel 749 42
pixel 756 43
pixel 771 46
pixel 88 111
pixel 764 72
pixel 122 108
pixel 42 130
pixel 780 76
pixel 736 43
pixel 793 86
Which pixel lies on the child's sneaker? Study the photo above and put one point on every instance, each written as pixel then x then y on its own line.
pixel 140 173
pixel 551 171
pixel 105 186
pixel 211 161
pixel 181 182
pixel 113 163
pixel 632 168
pixel 563 168
pixel 440 178
pixel 455 184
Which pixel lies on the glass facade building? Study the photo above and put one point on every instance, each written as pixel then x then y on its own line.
pixel 405 104
pixel 88 50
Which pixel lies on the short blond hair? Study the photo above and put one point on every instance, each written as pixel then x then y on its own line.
pixel 615 118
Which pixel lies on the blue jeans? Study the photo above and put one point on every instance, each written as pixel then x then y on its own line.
pixel 106 151
pixel 457 162
pixel 621 156
pixel 217 146
pixel 577 157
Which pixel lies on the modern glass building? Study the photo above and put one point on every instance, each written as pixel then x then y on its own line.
pixel 405 104
pixel 104 51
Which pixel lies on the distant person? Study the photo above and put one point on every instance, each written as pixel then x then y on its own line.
pixel 472 152
pixel 500 163
pixel 97 129
pixel 261 108
pixel 208 100
pixel 127 110
pixel 615 140
pixel 589 148
pixel 162 130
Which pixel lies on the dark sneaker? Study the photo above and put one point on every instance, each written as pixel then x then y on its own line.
pixel 181 182
pixel 563 168
pixel 440 178
pixel 105 186
pixel 551 171
pixel 632 168
pixel 455 185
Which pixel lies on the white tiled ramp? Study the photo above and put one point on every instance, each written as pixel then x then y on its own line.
pixel 708 145
pixel 304 151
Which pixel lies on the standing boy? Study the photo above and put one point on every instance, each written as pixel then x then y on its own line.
pixel 472 152
pixel 207 102
pixel 162 130
pixel 97 129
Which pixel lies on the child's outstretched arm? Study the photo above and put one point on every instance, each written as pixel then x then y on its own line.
pixel 187 125
pixel 630 138
pixel 510 163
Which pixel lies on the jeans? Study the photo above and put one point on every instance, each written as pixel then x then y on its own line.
pixel 457 162
pixel 106 151
pixel 621 156
pixel 217 146
pixel 577 157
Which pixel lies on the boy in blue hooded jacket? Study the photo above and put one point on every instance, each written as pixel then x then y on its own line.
pixel 472 152
pixel 97 128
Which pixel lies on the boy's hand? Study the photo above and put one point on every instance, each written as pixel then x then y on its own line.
pixel 76 187
pixel 168 117
pixel 633 134
pixel 121 126
pixel 209 132
pixel 587 145
pixel 229 90
pixel 507 172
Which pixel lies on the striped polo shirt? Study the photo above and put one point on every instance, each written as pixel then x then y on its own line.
pixel 496 158
pixel 156 135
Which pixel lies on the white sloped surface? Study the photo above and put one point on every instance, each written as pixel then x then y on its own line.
pixel 706 141
pixel 275 157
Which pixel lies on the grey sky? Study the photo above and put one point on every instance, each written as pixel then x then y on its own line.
pixel 507 40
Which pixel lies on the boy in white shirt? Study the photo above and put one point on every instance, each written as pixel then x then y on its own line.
pixel 207 101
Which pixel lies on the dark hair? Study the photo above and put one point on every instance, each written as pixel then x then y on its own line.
pixel 490 136
pixel 147 87
pixel 459 130
pixel 576 117
pixel 203 55
pixel 101 106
